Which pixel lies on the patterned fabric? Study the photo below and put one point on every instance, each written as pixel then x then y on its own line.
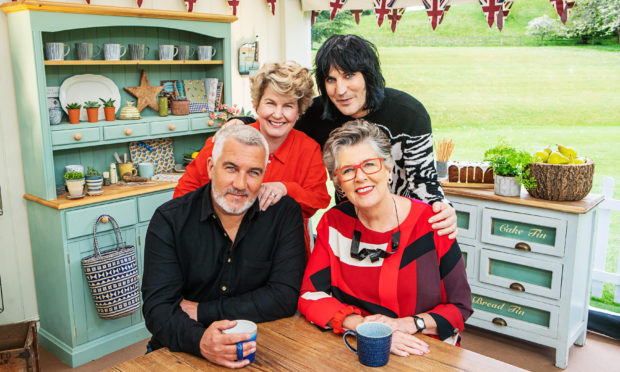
pixel 388 286
pixel 157 151
pixel 435 10
pixel 195 90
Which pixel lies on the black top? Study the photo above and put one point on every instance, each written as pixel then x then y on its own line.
pixel 408 126
pixel 188 255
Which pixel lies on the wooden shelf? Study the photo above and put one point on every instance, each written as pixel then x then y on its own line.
pixel 130 62
pixel 111 192
pixel 525 199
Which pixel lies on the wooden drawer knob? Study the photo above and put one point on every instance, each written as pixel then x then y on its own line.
pixel 210 123
pixel 499 322
pixel 523 247
pixel 128 132
pixel 104 220
pixel 172 127
pixel 77 136
pixel 517 287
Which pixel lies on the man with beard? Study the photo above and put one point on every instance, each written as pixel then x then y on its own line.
pixel 213 256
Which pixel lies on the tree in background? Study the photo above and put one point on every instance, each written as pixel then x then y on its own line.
pixel 324 27
pixel 544 28
pixel 592 19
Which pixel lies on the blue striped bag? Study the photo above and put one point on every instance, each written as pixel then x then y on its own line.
pixel 112 276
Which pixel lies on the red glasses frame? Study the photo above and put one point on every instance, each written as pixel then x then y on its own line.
pixel 358 166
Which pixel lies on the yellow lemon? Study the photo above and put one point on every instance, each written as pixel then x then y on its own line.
pixel 567 151
pixel 542 156
pixel 557 158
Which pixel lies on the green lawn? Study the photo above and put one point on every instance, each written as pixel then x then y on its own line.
pixel 529 96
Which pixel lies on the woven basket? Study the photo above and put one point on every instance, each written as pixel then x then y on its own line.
pixel 112 276
pixel 180 107
pixel 562 182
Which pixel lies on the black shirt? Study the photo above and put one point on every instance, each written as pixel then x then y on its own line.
pixel 188 255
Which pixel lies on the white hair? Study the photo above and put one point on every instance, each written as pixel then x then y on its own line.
pixel 242 133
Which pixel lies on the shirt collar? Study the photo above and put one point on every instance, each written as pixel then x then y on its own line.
pixel 209 212
pixel 282 154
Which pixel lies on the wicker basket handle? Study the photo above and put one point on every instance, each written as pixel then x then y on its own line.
pixel 117 232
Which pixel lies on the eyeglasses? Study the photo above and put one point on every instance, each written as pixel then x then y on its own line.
pixel 349 172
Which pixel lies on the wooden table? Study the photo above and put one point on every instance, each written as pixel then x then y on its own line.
pixel 293 344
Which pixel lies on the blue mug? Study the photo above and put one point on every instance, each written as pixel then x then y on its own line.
pixel 146 170
pixel 374 341
pixel 243 326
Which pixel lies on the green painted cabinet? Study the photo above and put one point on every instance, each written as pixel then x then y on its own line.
pixel 529 265
pixel 61 234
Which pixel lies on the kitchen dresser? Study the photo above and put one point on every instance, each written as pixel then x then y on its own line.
pixel 528 263
pixel 61 229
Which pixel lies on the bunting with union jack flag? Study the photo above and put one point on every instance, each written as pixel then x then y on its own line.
pixel 272 6
pixel 435 10
pixel 356 14
pixel 382 9
pixel 233 4
pixel 395 17
pixel 562 7
pixel 445 10
pixel 491 9
pixel 502 14
pixel 190 5
pixel 336 6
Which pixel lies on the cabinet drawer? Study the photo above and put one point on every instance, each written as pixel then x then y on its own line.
pixel 125 131
pixel 466 219
pixel 521 274
pixel 469 257
pixel 148 204
pixel 78 135
pixel 504 313
pixel 169 126
pixel 524 232
pixel 80 222
pixel 203 123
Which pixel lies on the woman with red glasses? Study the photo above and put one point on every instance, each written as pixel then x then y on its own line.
pixel 376 257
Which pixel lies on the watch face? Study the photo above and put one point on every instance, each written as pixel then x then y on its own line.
pixel 419 322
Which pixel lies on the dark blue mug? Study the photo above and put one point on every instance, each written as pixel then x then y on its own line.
pixel 374 341
pixel 244 326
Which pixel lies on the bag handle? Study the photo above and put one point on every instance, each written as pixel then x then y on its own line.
pixel 117 232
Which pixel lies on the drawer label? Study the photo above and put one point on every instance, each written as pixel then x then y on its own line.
pixel 511 310
pixel 520 273
pixel 523 231
pixel 462 220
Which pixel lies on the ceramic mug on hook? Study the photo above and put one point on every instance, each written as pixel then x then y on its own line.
pixel 167 52
pixel 113 52
pixel 205 52
pixel 86 51
pixel 56 51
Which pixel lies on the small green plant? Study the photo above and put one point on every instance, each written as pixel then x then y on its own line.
pixel 91 104
pixel 74 175
pixel 107 102
pixel 508 161
pixel 92 172
pixel 73 105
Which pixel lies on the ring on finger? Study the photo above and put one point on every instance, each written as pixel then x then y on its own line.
pixel 273 194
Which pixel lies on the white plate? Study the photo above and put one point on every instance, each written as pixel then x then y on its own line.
pixel 89 87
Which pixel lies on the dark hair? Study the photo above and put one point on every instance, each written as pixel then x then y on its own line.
pixel 350 53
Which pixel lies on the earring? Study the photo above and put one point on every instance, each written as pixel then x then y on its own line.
pixel 390 180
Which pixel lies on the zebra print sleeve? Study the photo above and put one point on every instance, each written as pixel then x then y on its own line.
pixel 414 172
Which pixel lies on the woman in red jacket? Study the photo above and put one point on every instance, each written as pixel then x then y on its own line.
pixel 376 256
pixel 280 93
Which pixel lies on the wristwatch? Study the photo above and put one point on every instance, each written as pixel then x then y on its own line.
pixel 419 323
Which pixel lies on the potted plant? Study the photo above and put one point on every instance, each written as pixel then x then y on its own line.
pixel 94 181
pixel 511 170
pixel 75 183
pixel 108 108
pixel 92 110
pixel 73 110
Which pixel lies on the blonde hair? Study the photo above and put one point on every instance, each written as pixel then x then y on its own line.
pixel 351 133
pixel 288 78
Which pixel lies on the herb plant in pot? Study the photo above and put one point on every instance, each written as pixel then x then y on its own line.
pixel 73 110
pixel 92 110
pixel 75 183
pixel 108 108
pixel 511 170
pixel 94 181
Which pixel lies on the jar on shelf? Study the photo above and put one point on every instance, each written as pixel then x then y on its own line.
pixel 129 112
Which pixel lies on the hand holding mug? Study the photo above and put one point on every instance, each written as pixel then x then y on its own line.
pixel 222 349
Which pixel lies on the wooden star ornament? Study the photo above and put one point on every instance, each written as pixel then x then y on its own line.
pixel 145 93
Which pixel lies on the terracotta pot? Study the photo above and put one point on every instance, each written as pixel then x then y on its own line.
pixel 93 114
pixel 74 116
pixel 109 113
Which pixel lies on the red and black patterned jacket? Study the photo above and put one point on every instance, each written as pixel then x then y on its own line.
pixel 425 275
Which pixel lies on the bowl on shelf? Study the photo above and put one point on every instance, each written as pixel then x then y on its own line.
pixel 562 182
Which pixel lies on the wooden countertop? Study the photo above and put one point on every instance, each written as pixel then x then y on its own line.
pixel 293 344
pixel 111 192
pixel 525 199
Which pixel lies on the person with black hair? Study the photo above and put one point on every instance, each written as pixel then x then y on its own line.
pixel 351 86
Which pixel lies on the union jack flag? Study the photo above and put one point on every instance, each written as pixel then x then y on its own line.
pixel 190 5
pixel 435 10
pixel 382 9
pixel 315 13
pixel 357 13
pixel 395 17
pixel 272 6
pixel 139 3
pixel 562 7
pixel 490 9
pixel 503 13
pixel 233 4
pixel 445 11
pixel 336 6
